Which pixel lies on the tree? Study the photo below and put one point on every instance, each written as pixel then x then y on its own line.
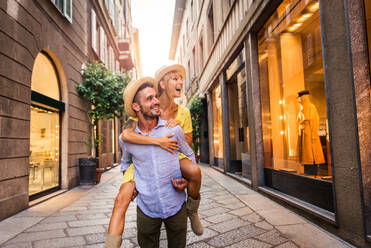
pixel 104 91
pixel 195 107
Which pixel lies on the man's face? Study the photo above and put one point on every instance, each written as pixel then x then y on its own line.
pixel 149 105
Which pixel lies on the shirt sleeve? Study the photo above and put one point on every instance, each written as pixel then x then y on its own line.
pixel 187 124
pixel 183 145
pixel 126 159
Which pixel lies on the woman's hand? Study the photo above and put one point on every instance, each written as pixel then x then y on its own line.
pixel 171 123
pixel 168 144
pixel 179 184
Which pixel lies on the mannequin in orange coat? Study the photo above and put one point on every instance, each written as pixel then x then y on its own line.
pixel 310 149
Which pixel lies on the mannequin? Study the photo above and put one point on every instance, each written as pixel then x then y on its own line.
pixel 310 149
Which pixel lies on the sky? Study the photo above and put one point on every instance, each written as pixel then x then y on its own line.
pixel 154 20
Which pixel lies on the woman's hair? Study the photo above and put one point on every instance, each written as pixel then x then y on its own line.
pixel 166 79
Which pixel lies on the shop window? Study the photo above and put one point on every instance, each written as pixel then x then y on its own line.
pixel 217 126
pixel 238 120
pixel 45 127
pixel 44 80
pixel 294 114
pixel 44 150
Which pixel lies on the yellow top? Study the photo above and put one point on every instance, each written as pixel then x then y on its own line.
pixel 183 117
pixel 184 120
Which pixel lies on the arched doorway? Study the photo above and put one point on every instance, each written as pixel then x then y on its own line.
pixel 45 130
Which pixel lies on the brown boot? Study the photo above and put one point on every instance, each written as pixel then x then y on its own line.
pixel 192 208
pixel 113 241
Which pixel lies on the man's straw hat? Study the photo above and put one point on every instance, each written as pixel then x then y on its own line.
pixel 168 68
pixel 130 91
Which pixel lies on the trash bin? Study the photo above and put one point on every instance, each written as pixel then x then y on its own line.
pixel 88 170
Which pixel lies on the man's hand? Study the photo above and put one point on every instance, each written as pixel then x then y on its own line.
pixel 168 144
pixel 179 184
pixel 135 193
pixel 171 123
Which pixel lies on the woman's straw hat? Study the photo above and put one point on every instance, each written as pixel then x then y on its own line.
pixel 130 92
pixel 168 68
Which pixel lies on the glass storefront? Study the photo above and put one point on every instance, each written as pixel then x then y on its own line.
pixel 238 120
pixel 44 173
pixel 297 156
pixel 217 126
pixel 44 150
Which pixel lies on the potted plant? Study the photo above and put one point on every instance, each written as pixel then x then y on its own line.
pixel 195 107
pixel 103 90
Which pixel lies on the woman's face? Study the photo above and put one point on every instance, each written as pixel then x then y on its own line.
pixel 174 85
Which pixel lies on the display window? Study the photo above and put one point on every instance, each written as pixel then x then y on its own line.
pixel 217 126
pixel 44 150
pixel 294 115
pixel 240 163
pixel 44 173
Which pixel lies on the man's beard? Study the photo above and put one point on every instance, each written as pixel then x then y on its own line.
pixel 147 114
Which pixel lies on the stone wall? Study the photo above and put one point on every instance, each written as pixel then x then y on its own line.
pixel 27 28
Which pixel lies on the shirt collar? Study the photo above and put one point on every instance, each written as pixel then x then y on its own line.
pixel 160 123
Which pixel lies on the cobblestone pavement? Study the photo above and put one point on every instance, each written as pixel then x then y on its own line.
pixel 232 215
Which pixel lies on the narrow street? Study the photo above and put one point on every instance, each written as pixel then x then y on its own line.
pixel 232 214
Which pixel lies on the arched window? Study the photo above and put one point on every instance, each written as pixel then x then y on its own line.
pixel 45 128
pixel 44 78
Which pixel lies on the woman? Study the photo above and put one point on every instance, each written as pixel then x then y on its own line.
pixel 169 84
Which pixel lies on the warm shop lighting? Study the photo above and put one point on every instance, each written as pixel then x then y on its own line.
pixel 304 17
pixel 281 117
pixel 293 27
pixel 280 101
pixel 314 7
pixel 263 56
pixel 281 132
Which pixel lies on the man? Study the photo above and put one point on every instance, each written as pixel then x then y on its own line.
pixel 157 172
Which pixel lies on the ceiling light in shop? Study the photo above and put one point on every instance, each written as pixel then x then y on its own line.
pixel 314 7
pixel 263 56
pixel 293 27
pixel 304 17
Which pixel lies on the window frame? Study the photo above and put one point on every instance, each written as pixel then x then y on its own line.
pixel 67 12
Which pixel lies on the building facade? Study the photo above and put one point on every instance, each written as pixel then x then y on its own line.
pixel 43 122
pixel 286 86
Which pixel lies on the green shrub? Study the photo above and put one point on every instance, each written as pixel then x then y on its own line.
pixel 195 107
pixel 103 90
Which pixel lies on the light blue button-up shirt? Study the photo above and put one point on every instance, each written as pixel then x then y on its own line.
pixel 153 169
